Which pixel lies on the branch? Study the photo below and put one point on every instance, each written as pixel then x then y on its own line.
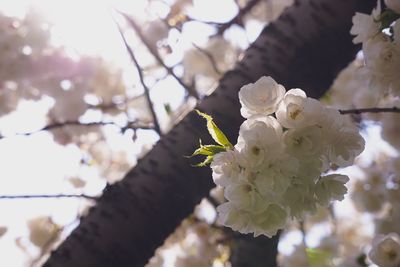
pixel 49 196
pixel 201 50
pixel 141 77
pixel 210 57
pixel 235 20
pixel 369 110
pixel 130 125
pixel 191 91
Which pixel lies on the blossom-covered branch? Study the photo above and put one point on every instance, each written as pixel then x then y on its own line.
pixel 141 77
pixel 370 110
pixel 191 91
pixel 271 176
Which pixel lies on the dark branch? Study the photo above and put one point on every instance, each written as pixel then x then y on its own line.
pixel 141 77
pixel 191 91
pixel 49 196
pixel 369 110
pixel 238 18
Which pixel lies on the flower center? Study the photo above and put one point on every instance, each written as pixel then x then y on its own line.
pixel 255 150
pixel 293 114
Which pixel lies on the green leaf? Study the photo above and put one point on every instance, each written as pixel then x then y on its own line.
pixel 207 161
pixel 214 131
pixel 208 150
pixel 318 257
pixel 387 17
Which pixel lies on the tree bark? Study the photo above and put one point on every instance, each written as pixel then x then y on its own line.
pixel 305 48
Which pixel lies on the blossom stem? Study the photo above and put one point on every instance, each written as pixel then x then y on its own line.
pixel 369 110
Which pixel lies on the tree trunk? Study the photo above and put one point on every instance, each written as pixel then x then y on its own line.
pixel 305 48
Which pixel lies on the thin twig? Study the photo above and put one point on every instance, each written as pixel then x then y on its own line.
pixel 303 232
pixel 201 50
pixel 191 91
pixel 237 19
pixel 49 196
pixel 130 125
pixel 141 77
pixel 369 110
pixel 212 23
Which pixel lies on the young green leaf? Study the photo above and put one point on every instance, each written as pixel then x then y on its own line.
pixel 208 150
pixel 207 161
pixel 214 131
pixel 387 17
pixel 318 257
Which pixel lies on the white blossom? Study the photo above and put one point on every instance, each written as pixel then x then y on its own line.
pixel 366 198
pixel 234 218
pixel 331 187
pixel 77 182
pixel 396 31
pixel 218 52
pixel 3 230
pixel 391 125
pixel 245 197
pixel 272 175
pixel 226 168
pixel 261 97
pixel 393 5
pixel 297 110
pixel 365 26
pixel 42 231
pixel 382 62
pixel 385 250
pixel 155 31
pixel 269 221
pixel 258 142
pixel 304 142
pixel 299 198
pixel 344 145
pixel 298 258
pixel 275 177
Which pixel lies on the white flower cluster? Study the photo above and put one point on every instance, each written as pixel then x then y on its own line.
pixel 274 172
pixel 193 244
pixel 380 38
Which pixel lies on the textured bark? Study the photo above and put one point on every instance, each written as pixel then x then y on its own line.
pixel 247 250
pixel 305 48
